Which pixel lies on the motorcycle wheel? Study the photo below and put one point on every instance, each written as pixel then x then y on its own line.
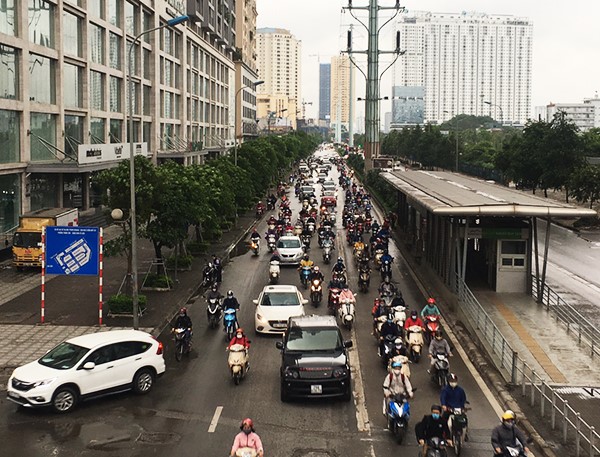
pixel 457 442
pixel 236 379
pixel 399 433
pixel 349 325
pixel 179 351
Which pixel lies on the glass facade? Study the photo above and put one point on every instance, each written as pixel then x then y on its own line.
pixel 44 191
pixel 96 39
pixel 95 8
pixel 97 130
pixel 73 134
pixel 8 17
pixel 115 94
pixel 42 126
pixel 41 22
pixel 131 19
pixel 10 201
pixel 115 133
pixel 9 74
pixel 96 90
pixel 9 136
pixel 72 85
pixel 115 51
pixel 41 79
pixel 114 12
pixel 71 32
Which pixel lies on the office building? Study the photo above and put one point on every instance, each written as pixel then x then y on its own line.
pixel 279 66
pixel 324 91
pixel 64 93
pixel 465 59
pixel 581 114
pixel 342 91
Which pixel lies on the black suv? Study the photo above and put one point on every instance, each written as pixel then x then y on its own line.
pixel 314 359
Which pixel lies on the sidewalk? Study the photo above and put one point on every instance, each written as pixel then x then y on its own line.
pixel 72 302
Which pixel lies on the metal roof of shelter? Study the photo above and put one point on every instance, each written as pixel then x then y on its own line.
pixel 453 194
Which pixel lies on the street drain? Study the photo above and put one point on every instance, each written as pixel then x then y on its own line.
pixel 313 453
pixel 157 438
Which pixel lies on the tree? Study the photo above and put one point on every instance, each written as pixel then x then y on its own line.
pixel 585 184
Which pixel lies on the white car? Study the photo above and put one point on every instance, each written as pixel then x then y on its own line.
pixel 275 305
pixel 88 366
pixel 290 249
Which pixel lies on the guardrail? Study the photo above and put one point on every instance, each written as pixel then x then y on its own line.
pixel 585 332
pixel 552 406
pixel 7 237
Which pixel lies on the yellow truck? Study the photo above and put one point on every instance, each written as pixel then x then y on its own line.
pixel 27 241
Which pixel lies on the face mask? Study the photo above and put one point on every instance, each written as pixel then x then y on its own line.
pixel 436 416
pixel 453 384
pixel 397 372
pixel 509 424
pixel 181 315
pixel 439 338
pixel 247 432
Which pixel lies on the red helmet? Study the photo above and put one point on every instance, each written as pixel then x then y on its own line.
pixel 431 301
pixel 247 422
pixel 183 310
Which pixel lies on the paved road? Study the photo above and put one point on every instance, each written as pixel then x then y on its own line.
pixel 175 418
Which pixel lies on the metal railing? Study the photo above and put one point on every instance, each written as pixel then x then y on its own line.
pixel 576 324
pixel 7 237
pixel 552 406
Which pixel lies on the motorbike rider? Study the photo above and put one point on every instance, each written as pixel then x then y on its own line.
pixel 508 434
pixel 239 338
pixel 339 267
pixel 255 236
pixel 272 220
pixel 432 426
pixel 452 396
pixel 184 321
pixel 231 303
pixel 346 294
pixel 218 268
pixel 438 345
pixel 272 200
pixel 387 288
pixel 316 274
pixel 413 319
pixel 209 272
pixel 247 438
pixel 364 264
pixel 359 244
pixel 260 207
pixel 213 292
pixel 430 309
pixel 388 329
pixel 386 257
pixel 395 384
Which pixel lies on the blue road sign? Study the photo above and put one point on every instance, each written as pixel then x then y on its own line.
pixel 72 250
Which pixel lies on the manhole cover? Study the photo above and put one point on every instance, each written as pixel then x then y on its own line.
pixel 157 438
pixel 313 453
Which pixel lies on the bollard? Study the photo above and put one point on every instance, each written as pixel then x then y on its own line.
pixel 553 413
pixel 543 399
pixel 513 371
pixel 523 380
pixel 532 400
pixel 565 421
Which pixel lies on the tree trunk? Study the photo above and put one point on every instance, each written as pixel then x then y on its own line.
pixel 567 194
pixel 157 254
pixel 545 192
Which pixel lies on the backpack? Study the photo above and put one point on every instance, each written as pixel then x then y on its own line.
pixel 391 375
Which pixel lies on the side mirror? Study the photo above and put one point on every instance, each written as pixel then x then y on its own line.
pixel 255 301
pixel 304 301
pixel 89 366
pixel 279 345
pixel 348 344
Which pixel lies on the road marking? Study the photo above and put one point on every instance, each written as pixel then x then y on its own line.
pixel 215 420
pixel 362 416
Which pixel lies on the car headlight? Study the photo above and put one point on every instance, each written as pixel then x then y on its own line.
pixel 339 372
pixel 260 318
pixel 45 382
pixel 289 373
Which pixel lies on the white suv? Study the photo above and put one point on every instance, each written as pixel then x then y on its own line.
pixel 88 366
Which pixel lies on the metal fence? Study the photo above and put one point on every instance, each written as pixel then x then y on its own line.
pixel 576 324
pixel 7 237
pixel 552 406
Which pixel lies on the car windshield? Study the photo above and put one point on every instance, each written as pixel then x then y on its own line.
pixel 289 244
pixel 328 193
pixel 64 356
pixel 308 189
pixel 280 299
pixel 27 239
pixel 313 339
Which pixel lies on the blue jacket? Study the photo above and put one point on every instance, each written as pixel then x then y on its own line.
pixel 453 397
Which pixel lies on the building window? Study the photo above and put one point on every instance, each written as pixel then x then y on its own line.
pixel 41 23
pixel 131 19
pixel 73 134
pixel 9 137
pixel 96 8
pixel 8 17
pixel 96 37
pixel 146 100
pixel 114 51
pixel 72 85
pixel 115 130
pixel 115 94
pixel 147 64
pixel 71 34
pixel 114 12
pixel 96 90
pixel 97 130
pixel 41 81
pixel 9 77
pixel 42 126
pixel 10 205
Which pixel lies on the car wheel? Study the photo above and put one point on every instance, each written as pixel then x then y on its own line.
pixel 64 399
pixel 143 381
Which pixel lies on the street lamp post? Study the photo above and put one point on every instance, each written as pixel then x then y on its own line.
pixel 456 135
pixel 501 112
pixel 134 281
pixel 235 121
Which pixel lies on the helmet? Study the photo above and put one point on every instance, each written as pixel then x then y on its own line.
pixel 396 364
pixel 436 408
pixel 431 301
pixel 438 334
pixel 340 260
pixel 508 415
pixel 414 314
pixel 398 343
pixel 316 269
pixel 305 257
pixel 239 330
pixel 183 310
pixel 452 378
pixel 214 287
pixel 247 422
pixel 230 293
pixel 210 265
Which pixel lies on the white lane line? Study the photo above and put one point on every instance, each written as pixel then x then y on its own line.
pixel 362 416
pixel 215 420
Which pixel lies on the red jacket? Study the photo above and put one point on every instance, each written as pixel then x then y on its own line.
pixel 243 341
pixel 410 322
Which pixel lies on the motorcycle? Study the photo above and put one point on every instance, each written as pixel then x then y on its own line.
pixel 238 362
pixel 183 342
pixel 231 324
pixel 298 229
pixel 458 419
pixel 364 279
pixel 214 312
pixel 345 312
pixel 306 242
pixel 271 242
pixel 260 210
pixel 386 270
pixel 208 276
pixel 432 325
pixel 333 299
pixel 377 258
pixel 436 447
pixel 316 292
pixel 440 369
pixel 414 341
pixel 304 275
pixel 255 246
pixel 387 349
pixel 327 247
pixel 311 227
pixel 398 414
pixel 512 451
pixel 274 271
pixel 399 313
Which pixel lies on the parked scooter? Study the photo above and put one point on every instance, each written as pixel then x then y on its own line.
pixel 238 362
pixel 316 292
pixel 346 312
pixel 214 312
pixel 231 324
pixel 414 341
pixel 274 271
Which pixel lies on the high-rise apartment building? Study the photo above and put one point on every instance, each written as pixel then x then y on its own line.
pixel 324 91
pixel 462 60
pixel 342 90
pixel 64 92
pixel 279 66
pixel 245 70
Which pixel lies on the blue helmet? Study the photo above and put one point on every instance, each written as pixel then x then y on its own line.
pixel 396 364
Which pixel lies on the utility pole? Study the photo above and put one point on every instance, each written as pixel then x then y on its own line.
pixel 350 102
pixel 372 121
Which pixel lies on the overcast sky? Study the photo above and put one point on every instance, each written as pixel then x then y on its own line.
pixel 566 40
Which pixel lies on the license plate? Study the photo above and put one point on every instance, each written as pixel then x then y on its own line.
pixel 279 325
pixel 316 389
